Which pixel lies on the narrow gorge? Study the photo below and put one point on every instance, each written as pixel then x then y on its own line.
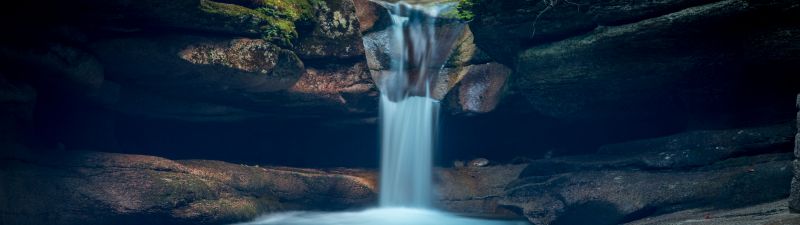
pixel 545 112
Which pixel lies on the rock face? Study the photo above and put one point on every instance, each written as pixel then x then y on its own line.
pixel 102 188
pixel 622 195
pixel 680 62
pixel 794 201
pixel 773 213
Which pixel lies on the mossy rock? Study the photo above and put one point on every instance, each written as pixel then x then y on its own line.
pixel 274 20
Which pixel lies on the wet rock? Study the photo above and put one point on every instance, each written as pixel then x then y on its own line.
pixel 622 195
pixel 480 88
pixel 103 188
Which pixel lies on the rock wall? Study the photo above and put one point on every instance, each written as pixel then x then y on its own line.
pixel 794 201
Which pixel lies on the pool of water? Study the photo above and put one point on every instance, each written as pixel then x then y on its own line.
pixel 377 216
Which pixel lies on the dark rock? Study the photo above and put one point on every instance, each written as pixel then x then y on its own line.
pixel 247 74
pixel 102 188
pixel 502 25
pixel 17 101
pixel 794 200
pixel 626 195
pixel 68 66
pixel 699 148
pixel 773 213
pixel 611 72
pixel 199 15
pixel 677 152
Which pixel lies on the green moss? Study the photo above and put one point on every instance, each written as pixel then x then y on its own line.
pixel 466 9
pixel 281 16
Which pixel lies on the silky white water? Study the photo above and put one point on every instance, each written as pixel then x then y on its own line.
pixel 408 118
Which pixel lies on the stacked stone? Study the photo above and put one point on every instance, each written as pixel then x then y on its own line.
pixel 794 199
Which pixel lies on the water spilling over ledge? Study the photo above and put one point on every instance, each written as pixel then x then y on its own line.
pixel 408 118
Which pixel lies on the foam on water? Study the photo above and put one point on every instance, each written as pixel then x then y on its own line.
pixel 378 216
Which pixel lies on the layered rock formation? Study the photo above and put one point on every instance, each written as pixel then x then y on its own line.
pixel 676 61
pixel 794 201
pixel 642 182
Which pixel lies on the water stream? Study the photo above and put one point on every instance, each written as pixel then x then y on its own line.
pixel 408 117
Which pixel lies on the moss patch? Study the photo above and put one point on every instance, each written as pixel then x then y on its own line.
pixel 282 16
pixel 465 10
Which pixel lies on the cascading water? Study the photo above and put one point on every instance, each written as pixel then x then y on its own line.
pixel 408 116
pixel 408 113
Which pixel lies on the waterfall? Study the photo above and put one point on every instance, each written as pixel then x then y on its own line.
pixel 418 47
pixel 407 111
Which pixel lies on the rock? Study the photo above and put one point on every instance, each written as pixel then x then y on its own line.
pixel 609 73
pixel 61 64
pixel 17 101
pixel 103 188
pixel 480 88
pixel 202 15
pixel 699 148
pixel 371 16
pixel 347 88
pixel 479 162
pixel 677 152
pixel 772 213
pixel 504 25
pixel 794 199
pixel 621 195
pixel 248 74
pixel 335 33
pixel 476 191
